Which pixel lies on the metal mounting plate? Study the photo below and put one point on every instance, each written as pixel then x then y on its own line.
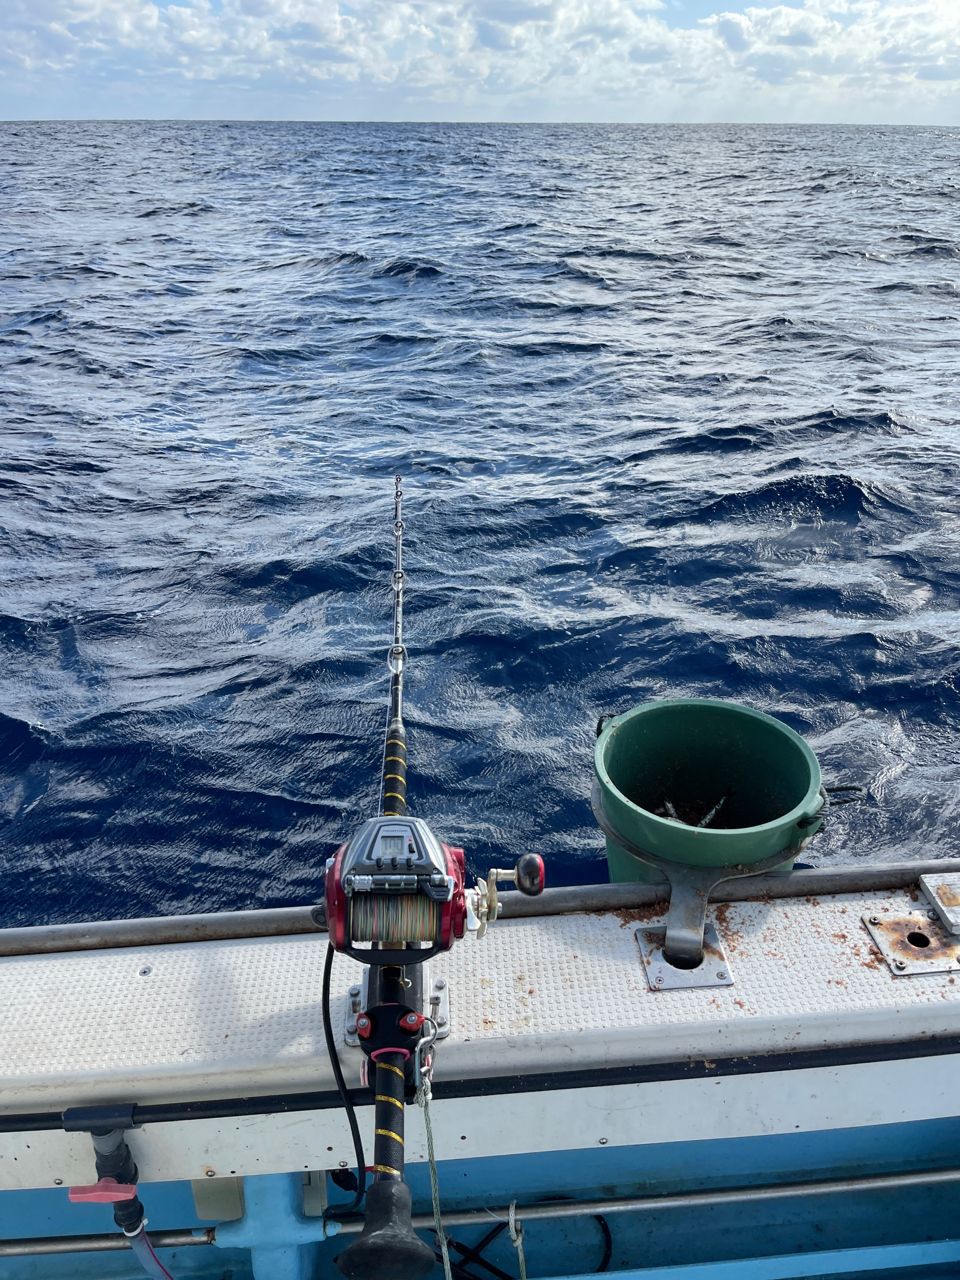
pixel 713 970
pixel 914 943
pixel 436 1005
pixel 944 894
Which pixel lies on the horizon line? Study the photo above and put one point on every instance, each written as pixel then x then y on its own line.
pixel 719 124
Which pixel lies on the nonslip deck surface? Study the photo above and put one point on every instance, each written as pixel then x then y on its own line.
pixel 546 994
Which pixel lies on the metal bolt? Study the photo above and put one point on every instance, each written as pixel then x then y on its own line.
pixel 721 974
pixel 145 971
pixel 932 915
pixel 440 983
pixel 874 919
pixel 602 1141
pixel 659 981
pixel 211 1173
pixel 441 1021
pixel 899 964
pixel 354 991
pixel 58 1182
pixel 343 1164
pixel 351 1028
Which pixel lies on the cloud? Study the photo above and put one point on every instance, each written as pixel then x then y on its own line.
pixel 732 30
pixel 521 59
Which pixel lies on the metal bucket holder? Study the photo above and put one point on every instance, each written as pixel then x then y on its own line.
pixel 690 888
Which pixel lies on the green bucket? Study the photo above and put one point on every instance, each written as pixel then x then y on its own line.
pixel 754 779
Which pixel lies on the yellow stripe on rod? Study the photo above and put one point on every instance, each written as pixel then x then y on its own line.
pixel 385 1168
pixel 388 1066
pixel 388 1133
pixel 385 1097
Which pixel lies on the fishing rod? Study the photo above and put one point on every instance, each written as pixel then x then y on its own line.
pixel 393 790
pixel 395 895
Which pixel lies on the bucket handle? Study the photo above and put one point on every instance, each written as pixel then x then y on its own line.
pixel 816 815
pixel 690 888
pixel 607 715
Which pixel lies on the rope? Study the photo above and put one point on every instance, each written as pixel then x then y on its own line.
pixel 423 1100
pixel 516 1235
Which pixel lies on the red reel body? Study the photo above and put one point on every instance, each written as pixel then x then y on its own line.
pixel 395 893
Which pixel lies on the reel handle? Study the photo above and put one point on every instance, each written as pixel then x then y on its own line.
pixel 530 874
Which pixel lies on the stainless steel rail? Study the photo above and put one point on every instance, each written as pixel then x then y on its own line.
pixel 526 1213
pixel 152 931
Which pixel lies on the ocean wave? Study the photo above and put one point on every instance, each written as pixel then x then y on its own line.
pixel 815 499
pixel 670 422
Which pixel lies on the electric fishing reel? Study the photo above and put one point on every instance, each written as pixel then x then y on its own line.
pixel 395 893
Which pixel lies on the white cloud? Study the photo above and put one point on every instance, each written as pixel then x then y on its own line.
pixel 554 59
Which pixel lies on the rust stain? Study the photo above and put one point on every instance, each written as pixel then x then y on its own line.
pixel 876 959
pixel 635 915
pixel 840 936
pixel 915 938
pixel 948 895
pixel 732 937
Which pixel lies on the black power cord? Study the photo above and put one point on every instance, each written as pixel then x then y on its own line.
pixel 342 1211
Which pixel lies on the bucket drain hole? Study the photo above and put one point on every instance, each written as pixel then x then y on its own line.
pixel 918 939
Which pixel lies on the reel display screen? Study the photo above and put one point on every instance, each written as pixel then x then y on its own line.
pixel 391 845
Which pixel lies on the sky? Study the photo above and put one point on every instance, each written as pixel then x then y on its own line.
pixel 859 61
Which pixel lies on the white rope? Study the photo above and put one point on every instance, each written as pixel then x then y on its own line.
pixel 516 1235
pixel 423 1099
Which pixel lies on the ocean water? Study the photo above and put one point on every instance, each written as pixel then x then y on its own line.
pixel 677 412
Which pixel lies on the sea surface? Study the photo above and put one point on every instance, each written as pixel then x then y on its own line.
pixel 677 411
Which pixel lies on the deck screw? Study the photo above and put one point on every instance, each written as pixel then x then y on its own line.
pixel 146 971
pixel 343 1164
pixel 211 1173
pixel 899 964
pixel 659 981
pixel 874 919
pixel 722 975
pixel 440 983
pixel 931 915
pixel 441 1021
pixel 602 1141
pixel 351 1028
pixel 354 991
pixel 58 1182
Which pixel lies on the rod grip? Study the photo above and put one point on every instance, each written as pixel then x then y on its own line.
pixel 389 1089
pixel 394 792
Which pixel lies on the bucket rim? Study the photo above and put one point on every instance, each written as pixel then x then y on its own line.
pixel 808 807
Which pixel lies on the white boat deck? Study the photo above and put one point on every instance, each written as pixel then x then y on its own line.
pixel 538 1007
pixel 545 994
